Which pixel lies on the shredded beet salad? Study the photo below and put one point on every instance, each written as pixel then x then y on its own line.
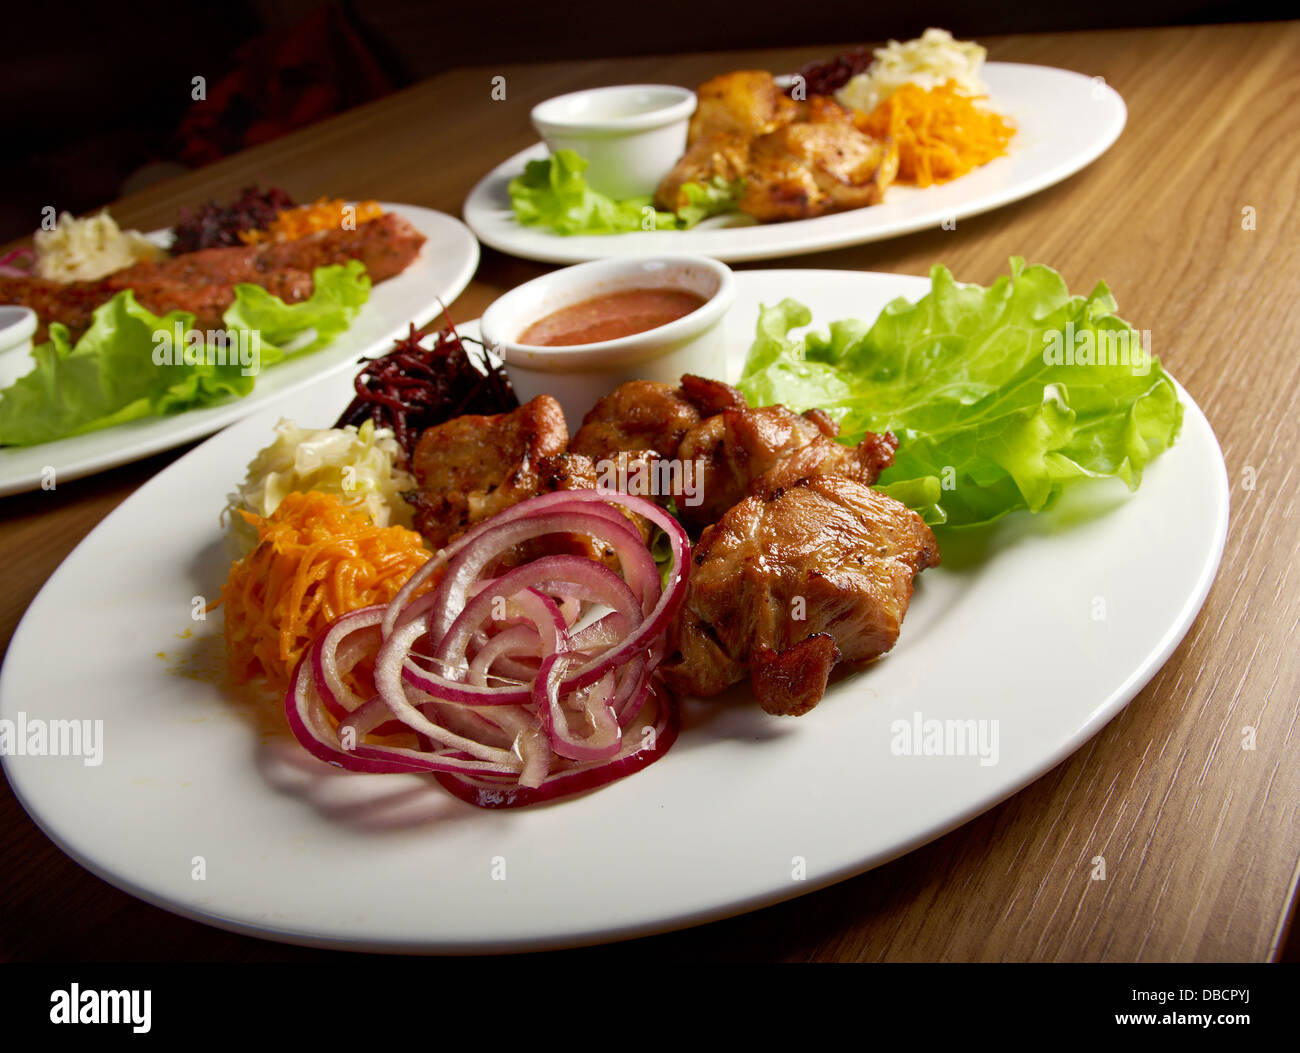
pixel 827 76
pixel 218 226
pixel 413 388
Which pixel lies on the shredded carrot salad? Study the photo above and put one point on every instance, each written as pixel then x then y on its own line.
pixel 315 560
pixel 323 214
pixel 941 134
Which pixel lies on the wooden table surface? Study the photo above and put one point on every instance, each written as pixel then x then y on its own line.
pixel 1200 835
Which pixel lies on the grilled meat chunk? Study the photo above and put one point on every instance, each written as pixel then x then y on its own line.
pixel 826 557
pixel 472 467
pixel 634 434
pixel 72 303
pixel 798 159
pixel 386 245
pixel 735 449
pixel 638 415
pixel 819 164
pixel 647 415
pixel 745 103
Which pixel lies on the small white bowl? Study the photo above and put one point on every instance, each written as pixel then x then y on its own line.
pixel 631 134
pixel 577 375
pixel 17 324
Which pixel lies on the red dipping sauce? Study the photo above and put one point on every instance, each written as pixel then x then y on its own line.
pixel 611 316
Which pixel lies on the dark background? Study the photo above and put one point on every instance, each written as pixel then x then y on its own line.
pixel 97 99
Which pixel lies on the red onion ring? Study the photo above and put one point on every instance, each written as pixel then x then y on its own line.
pixel 509 700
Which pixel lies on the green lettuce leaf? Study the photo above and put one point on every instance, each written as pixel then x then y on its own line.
pixel 121 368
pixel 552 193
pixel 1001 397
pixel 338 293
pixel 709 199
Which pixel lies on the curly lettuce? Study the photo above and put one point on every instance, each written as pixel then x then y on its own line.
pixel 1001 397
pixel 553 193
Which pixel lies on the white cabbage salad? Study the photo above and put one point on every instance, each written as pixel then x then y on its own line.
pixel 84 250
pixel 360 465
pixel 928 61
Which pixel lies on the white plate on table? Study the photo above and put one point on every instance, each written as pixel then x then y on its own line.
pixel 295 850
pixel 1064 120
pixel 446 264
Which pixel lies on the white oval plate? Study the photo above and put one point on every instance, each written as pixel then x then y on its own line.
pixel 1050 633
pixel 1064 120
pixel 446 264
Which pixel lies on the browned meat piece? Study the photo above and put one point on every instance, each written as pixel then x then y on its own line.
pixel 815 166
pixel 827 556
pixel 565 471
pixel 798 159
pixel 638 415
pixel 575 471
pixel 472 467
pixel 789 683
pixel 386 245
pixel 711 397
pixel 72 303
pixel 203 283
pixel 647 415
pixel 746 103
pixel 737 448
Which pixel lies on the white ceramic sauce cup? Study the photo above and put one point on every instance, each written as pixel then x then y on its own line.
pixel 577 375
pixel 17 324
pixel 631 134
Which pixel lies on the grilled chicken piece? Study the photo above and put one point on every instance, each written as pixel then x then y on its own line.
pixel 203 283
pixel 798 159
pixel 713 157
pixel 472 467
pixel 738 449
pixel 575 471
pixel 792 580
pixel 815 166
pixel 710 397
pixel 386 245
pixel 746 104
pixel 633 434
pixel 647 415
pixel 71 303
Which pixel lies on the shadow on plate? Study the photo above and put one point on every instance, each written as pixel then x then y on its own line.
pixel 362 802
pixel 365 803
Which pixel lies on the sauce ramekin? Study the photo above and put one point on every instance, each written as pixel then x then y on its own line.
pixel 17 324
pixel 630 134
pixel 578 375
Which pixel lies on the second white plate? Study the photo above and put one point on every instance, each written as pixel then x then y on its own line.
pixel 1064 121
pixel 446 263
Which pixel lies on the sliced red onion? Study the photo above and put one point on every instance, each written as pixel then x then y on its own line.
pixel 639 751
pixel 515 709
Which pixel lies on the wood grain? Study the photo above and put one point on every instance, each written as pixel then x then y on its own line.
pixel 1200 835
